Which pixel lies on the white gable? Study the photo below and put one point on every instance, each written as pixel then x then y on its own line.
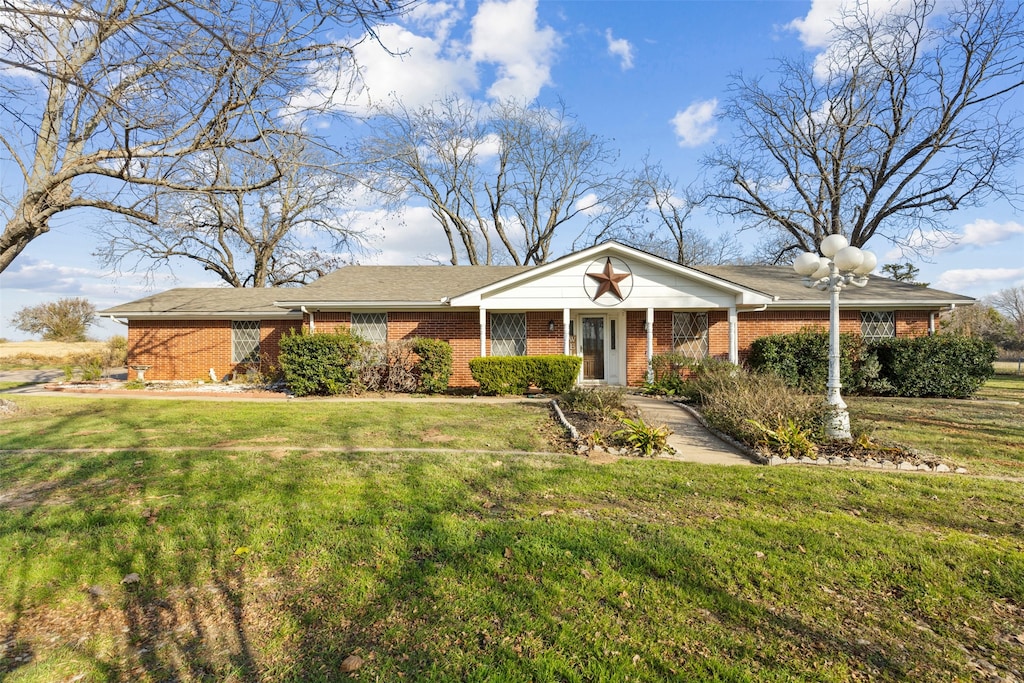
pixel 649 282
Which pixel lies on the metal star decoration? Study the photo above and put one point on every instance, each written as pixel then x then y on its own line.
pixel 609 281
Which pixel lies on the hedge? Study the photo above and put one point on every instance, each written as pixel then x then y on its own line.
pixel 801 359
pixel 321 363
pixel 944 365
pixel 435 364
pixel 947 366
pixel 515 374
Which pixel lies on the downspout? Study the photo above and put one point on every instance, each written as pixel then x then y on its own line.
pixel 312 324
pixel 114 319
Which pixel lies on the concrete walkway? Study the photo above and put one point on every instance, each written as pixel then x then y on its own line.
pixel 692 441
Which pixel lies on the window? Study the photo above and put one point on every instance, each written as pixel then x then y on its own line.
pixel 245 341
pixel 877 324
pixel 508 334
pixel 690 334
pixel 373 327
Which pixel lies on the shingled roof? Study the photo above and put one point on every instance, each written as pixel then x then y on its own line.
pixel 203 301
pixel 783 284
pixel 397 284
pixel 428 286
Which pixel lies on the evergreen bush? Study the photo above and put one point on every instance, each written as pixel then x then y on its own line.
pixel 319 363
pixel 515 374
pixel 801 360
pixel 945 365
pixel 435 364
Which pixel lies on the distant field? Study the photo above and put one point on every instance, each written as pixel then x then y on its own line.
pixel 1007 367
pixel 44 355
pixel 48 349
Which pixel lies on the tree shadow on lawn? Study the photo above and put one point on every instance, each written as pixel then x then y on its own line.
pixel 454 603
pixel 426 576
pixel 166 623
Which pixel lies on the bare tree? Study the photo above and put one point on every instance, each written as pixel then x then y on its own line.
pixel 500 180
pixel 901 120
pixel 1010 303
pixel 653 212
pixel 249 238
pixel 106 102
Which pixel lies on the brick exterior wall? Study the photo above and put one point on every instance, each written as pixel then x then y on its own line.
pixel 187 349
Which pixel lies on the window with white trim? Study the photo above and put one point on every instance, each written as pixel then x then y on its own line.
pixel 690 334
pixel 877 325
pixel 245 341
pixel 508 334
pixel 373 327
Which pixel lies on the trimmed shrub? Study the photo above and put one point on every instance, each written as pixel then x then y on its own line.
pixel 435 364
pixel 945 365
pixel 321 363
pixel 801 360
pixel 515 374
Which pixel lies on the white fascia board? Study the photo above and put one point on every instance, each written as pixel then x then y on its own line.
pixel 872 303
pixel 216 315
pixel 475 297
pixel 348 305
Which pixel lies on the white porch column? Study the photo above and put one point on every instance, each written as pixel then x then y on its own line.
pixel 649 326
pixel 734 336
pixel 565 331
pixel 483 331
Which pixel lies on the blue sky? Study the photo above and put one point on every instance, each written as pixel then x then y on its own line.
pixel 649 75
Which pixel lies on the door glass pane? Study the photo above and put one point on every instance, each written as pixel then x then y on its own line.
pixel 593 348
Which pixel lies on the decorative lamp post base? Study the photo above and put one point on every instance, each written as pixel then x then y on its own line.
pixel 837 425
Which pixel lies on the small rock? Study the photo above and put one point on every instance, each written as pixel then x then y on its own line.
pixel 888 465
pixel 942 467
pixel 906 466
pixel 96 591
pixel 547 513
pixel 924 468
pixel 806 461
pixel 791 460
pixel 131 578
pixel 351 663
pixel 961 470
pixel 759 555
pixel 776 460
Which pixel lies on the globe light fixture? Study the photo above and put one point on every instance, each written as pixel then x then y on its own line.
pixel 839 266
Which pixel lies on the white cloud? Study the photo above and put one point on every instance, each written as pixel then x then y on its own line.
pixel 817 30
pixel 979 233
pixel 505 34
pixel 983 232
pixel 979 281
pixel 411 235
pixel 621 48
pixel 425 60
pixel 589 205
pixel 695 125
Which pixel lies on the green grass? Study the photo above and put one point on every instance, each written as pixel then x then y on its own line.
pixel 262 558
pixel 45 422
pixel 984 434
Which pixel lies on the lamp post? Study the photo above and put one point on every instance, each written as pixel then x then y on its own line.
pixel 839 266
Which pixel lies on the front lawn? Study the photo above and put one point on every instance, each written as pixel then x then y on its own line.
pixel 277 564
pixel 46 422
pixel 984 434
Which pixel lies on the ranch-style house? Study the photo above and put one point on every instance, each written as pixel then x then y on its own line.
pixel 612 305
